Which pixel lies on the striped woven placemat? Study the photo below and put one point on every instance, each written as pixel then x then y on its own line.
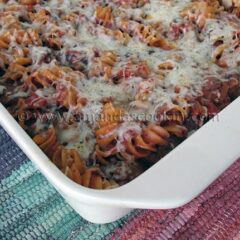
pixel 30 208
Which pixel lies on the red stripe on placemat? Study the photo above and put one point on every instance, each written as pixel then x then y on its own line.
pixel 214 215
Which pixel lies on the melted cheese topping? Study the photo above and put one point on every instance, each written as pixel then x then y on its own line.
pixel 165 11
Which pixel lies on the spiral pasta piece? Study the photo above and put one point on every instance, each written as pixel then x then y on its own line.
pixel 110 119
pixel 151 38
pixel 217 54
pixel 47 141
pixel 71 17
pixel 151 35
pixel 176 114
pixel 47 76
pixel 70 97
pixel 176 129
pixel 92 178
pixel 20 113
pixel 146 33
pixel 16 64
pixel 42 16
pixel 151 137
pixel 43 78
pixel 122 37
pixel 104 16
pixel 18 56
pixel 136 145
pixel 18 68
pixel 70 162
pixel 108 60
pixel 109 122
pixel 134 69
pixel 23 37
pixel 7 18
pixel 110 115
pixel 15 71
pixel 168 65
pixel 199 11
pixel 64 79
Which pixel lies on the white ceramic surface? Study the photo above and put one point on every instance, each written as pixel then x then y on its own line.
pixel 172 182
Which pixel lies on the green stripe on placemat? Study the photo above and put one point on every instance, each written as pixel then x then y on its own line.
pixel 30 208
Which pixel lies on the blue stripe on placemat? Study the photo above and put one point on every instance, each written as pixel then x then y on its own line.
pixel 11 157
pixel 30 208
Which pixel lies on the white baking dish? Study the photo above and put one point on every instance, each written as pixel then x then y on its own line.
pixel 175 180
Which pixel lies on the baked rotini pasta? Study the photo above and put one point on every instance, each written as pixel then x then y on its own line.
pixel 107 88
